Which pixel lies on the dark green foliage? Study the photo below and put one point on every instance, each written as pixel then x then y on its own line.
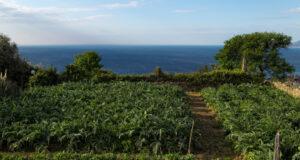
pixel 85 66
pixel 256 53
pixel 212 78
pixel 106 117
pixel 44 77
pixel 89 156
pixel 104 76
pixel 8 88
pixel 17 69
pixel 217 77
pixel 252 114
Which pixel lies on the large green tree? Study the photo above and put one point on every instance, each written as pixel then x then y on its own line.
pixel 16 68
pixel 256 53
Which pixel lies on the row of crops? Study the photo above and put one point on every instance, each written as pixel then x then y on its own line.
pixel 252 114
pixel 118 117
pixel 90 156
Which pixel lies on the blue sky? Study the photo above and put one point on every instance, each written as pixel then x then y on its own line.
pixel 186 22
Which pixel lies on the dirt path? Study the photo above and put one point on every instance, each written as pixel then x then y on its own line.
pixel 212 140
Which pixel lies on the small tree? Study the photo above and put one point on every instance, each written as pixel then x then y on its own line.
pixel 84 67
pixel 88 61
pixel 17 69
pixel 256 53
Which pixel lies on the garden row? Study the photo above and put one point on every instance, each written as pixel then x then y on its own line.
pixel 119 117
pixel 89 156
pixel 252 114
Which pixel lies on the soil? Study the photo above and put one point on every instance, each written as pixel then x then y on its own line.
pixel 212 140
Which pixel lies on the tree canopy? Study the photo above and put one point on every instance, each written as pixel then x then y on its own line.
pixel 256 53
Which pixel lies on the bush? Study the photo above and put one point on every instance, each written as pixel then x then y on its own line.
pixel 103 76
pixel 212 78
pixel 85 67
pixel 7 88
pixel 217 77
pixel 44 77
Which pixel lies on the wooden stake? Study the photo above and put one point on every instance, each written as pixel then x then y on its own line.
pixel 277 146
pixel 191 135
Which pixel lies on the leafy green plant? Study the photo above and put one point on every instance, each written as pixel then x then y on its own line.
pixel 89 156
pixel 44 77
pixel 105 117
pixel 252 114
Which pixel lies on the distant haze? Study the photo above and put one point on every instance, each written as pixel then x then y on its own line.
pixel 296 44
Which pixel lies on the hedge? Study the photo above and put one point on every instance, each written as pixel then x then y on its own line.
pixel 212 78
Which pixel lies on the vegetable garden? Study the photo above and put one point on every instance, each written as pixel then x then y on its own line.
pixel 252 114
pixel 118 117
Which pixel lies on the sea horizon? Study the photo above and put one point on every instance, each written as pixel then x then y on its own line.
pixel 137 59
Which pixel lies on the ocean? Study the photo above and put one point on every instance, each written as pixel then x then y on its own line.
pixel 137 59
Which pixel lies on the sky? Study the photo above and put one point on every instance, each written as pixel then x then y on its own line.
pixel 139 22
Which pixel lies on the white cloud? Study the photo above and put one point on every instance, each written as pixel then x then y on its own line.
pixel 85 18
pixel 184 11
pixel 295 10
pixel 130 4
pixel 11 10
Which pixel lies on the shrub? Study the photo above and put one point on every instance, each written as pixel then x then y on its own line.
pixel 72 73
pixel 216 78
pixel 44 77
pixel 103 76
pixel 85 66
pixel 8 88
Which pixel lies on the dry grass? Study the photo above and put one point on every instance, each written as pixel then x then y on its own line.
pixel 289 89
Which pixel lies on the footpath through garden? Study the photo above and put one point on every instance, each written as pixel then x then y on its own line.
pixel 212 140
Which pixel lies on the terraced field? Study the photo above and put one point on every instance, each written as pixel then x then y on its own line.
pixel 252 114
pixel 107 117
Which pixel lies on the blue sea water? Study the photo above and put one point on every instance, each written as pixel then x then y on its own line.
pixel 137 59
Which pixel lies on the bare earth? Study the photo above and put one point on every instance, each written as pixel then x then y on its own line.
pixel 212 140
